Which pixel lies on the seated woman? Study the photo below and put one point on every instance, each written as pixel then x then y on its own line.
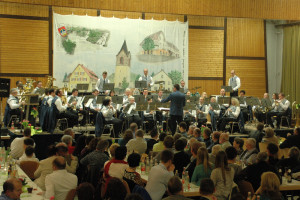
pixel 126 137
pixel 270 136
pixel 269 187
pixel 292 162
pixel 129 112
pixel 222 176
pixel 108 112
pixel 203 168
pixel 231 114
pixel 130 175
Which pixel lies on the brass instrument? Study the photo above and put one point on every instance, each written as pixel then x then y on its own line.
pixel 27 89
pixel 295 114
pixel 49 83
pixel 278 102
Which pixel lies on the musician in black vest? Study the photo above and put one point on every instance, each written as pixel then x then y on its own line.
pixel 74 108
pixel 12 106
pixel 235 83
pixel 202 111
pixel 94 109
pixel 147 78
pixel 176 108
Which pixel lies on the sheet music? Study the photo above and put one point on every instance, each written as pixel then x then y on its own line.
pixel 130 109
pixel 119 106
pixel 79 102
pixel 194 113
pixel 89 102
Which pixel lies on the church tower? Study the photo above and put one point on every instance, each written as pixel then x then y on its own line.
pixel 122 70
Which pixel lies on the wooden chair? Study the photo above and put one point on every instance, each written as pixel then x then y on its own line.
pixel 71 194
pixel 263 146
pixel 29 167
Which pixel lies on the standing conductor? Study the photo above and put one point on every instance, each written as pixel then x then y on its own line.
pixel 176 109
pixel 235 83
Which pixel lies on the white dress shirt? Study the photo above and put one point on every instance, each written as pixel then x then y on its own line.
pixel 108 113
pixel 100 83
pixel 238 83
pixel 49 101
pixel 116 169
pixel 59 105
pixel 59 183
pixel 17 147
pixel 12 102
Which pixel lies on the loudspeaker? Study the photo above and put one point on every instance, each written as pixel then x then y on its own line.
pixel 4 87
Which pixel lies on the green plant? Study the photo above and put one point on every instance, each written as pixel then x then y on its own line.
pixel 34 112
pixel 69 46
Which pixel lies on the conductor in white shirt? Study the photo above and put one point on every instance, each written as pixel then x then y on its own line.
pixel 235 83
pixel 59 182
pixel 101 81
pixel 147 78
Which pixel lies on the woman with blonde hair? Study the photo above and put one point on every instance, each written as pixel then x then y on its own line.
pixel 203 168
pixel 269 187
pixel 270 136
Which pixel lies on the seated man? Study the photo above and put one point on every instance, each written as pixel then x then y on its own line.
pixel 160 175
pixel 129 112
pixel 17 145
pixel 245 109
pixel 181 158
pixel 202 111
pixel 214 113
pixel 12 107
pixel 151 142
pixel 59 182
pixel 12 189
pixel 94 109
pixel 149 115
pixel 224 141
pixel 175 189
pixel 160 145
pixel 250 154
pixel 292 140
pixel 74 108
pixel 280 108
pixel 231 114
pixel 138 145
pixel 182 129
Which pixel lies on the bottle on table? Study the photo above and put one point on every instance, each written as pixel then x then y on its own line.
pixel 289 176
pixel 143 168
pixel 249 197
pixel 176 173
pixel 280 175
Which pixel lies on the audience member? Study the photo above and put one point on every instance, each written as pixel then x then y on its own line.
pixel 215 140
pixel 292 140
pixel 182 129
pixel 16 147
pixel 231 153
pixel 130 175
pixel 222 176
pixel 250 154
pixel 80 145
pixel 258 134
pixel 160 145
pixel 152 141
pixel 272 150
pixel 203 168
pixel 128 135
pixel 270 136
pixel 176 136
pixel 96 158
pixel 175 189
pixel 191 166
pixel 168 144
pixel 207 189
pixel 214 152
pixel 71 161
pixel 117 166
pixel 160 175
pixel 27 142
pixel 197 134
pixel 181 158
pixel 116 190
pixel 253 172
pixel 88 139
pixel 133 127
pixel 206 137
pixel 90 148
pixel 85 191
pixel 238 144
pixel 59 182
pixel 190 132
pixel 292 162
pixel 12 189
pixel 138 144
pixel 67 139
pixel 269 187
pixel 224 141
pixel 112 150
pixel 29 155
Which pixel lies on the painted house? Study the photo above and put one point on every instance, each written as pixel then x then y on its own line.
pixel 81 78
pixel 162 76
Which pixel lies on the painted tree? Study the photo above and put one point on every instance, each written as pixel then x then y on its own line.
pixel 69 46
pixel 137 77
pixel 125 84
pixel 175 76
pixel 148 44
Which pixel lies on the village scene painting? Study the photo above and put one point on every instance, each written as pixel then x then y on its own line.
pixel 123 57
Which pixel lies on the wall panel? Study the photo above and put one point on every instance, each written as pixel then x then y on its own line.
pixel 23 9
pixel 206 53
pixel 252 74
pixel 245 37
pixel 212 87
pixel 120 14
pixel 164 17
pixel 205 21
pixel 24 46
pixel 75 11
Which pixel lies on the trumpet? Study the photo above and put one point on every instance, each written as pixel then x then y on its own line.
pixel 277 102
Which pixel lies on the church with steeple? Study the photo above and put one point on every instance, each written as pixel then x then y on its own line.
pixel 122 70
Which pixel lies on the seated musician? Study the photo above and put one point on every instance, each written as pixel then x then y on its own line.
pixel 108 112
pixel 94 109
pixel 145 94
pixel 222 94
pixel 129 112
pixel 244 107
pixel 19 87
pixel 159 114
pixel 204 95
pixel 126 96
pixel 279 108
pixel 149 116
pixel 202 111
pixel 214 114
pixel 38 88
pixel 73 107
pixel 188 117
pixel 231 114
pixel 12 106
pixel 43 108
pixel 61 111
pixel 259 111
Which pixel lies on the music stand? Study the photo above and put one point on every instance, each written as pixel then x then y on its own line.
pixel 215 105
pixel 87 97
pixel 140 84
pixel 206 101
pixel 100 99
pixel 117 99
pixel 241 100
pixel 181 90
pixel 108 86
pixel 223 100
pixel 227 88
pixel 189 106
pixel 266 103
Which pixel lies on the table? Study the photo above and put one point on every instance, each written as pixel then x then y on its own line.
pixel 24 196
pixel 293 186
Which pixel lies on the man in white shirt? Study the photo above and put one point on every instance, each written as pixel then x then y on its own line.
pixel 101 81
pixel 17 145
pixel 138 145
pixel 235 83
pixel 59 182
pixel 182 86
pixel 147 78
pixel 94 109
pixel 74 107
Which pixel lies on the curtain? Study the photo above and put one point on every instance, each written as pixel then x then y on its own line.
pixel 290 84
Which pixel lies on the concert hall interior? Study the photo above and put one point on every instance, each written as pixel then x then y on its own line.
pixel 142 74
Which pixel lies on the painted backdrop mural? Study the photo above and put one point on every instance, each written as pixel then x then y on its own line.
pixel 86 46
